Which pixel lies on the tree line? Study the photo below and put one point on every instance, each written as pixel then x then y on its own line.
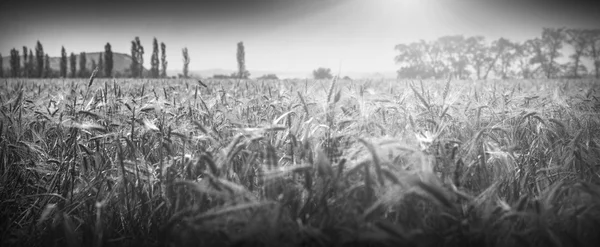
pixel 465 57
pixel 39 66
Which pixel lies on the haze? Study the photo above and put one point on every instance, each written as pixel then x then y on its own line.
pixel 349 36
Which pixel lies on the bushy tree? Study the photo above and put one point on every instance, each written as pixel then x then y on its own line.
pixel 154 62
pixel 420 59
pixel 39 55
pixel 268 77
pixel 547 50
pixel 73 65
pixel 322 73
pixel 108 60
pixel 163 49
pixel 578 40
pixel 31 63
pixel 63 63
pixel 524 56
pixel 241 60
pixel 186 62
pixel 593 49
pixel 15 63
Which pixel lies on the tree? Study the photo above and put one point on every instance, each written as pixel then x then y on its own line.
pixel 101 65
pixel 139 57
pixel 63 63
pixel 73 63
pixel 26 64
pixel 268 77
pixel 154 60
pixel 241 60
pixel 1 66
pixel 593 50
pixel 547 50
pixel 496 51
pixel 411 60
pixel 47 70
pixel 15 63
pixel 524 53
pixel 186 62
pixel 478 54
pixel 134 67
pixel 454 52
pixel 576 38
pixel 322 73
pixel 94 65
pixel 31 64
pixel 108 60
pixel 82 65
pixel 420 59
pixel 39 55
pixel 506 60
pixel 163 49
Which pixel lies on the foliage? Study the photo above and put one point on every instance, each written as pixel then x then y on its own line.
pixel 322 73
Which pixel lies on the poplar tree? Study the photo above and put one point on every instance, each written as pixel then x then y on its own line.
pixel 134 62
pixel 154 59
pixel 101 65
pixel 163 49
pixel 26 65
pixel 15 63
pixel 39 55
pixel 241 59
pixel 63 63
pixel 82 65
pixel 186 62
pixel 1 66
pixel 108 60
pixel 47 70
pixel 73 63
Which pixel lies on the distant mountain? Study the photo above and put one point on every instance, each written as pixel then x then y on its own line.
pixel 121 63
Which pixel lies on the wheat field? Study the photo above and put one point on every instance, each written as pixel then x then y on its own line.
pixel 150 162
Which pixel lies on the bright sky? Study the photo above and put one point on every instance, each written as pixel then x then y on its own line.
pixel 280 35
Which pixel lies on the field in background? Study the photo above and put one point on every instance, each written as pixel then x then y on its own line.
pixel 299 163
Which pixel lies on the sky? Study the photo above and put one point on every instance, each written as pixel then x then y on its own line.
pixel 278 35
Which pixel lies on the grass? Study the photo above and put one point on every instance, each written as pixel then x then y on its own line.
pixel 299 163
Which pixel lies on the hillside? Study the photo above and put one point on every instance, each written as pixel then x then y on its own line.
pixel 121 62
